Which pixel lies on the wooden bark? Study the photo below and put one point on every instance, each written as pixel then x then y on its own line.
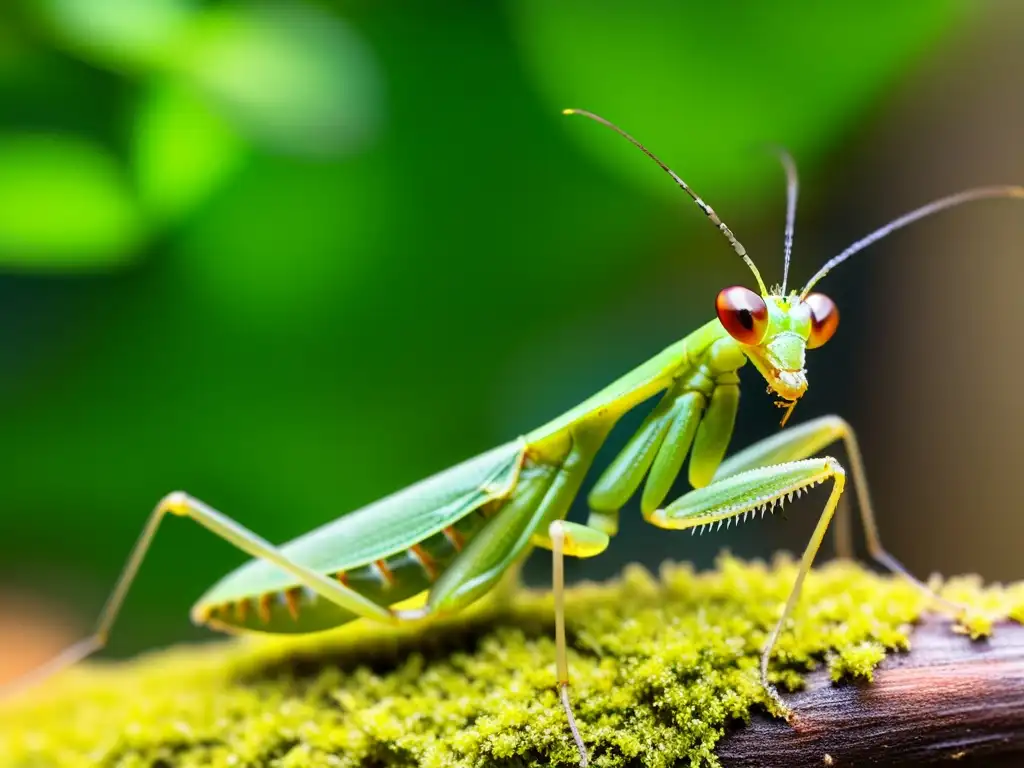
pixel 949 701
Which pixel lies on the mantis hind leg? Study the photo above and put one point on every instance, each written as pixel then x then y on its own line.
pixel 183 505
pixel 807 439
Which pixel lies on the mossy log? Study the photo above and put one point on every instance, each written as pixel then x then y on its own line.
pixel 664 674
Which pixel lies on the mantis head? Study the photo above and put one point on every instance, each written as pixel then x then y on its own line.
pixel 776 329
pixel 774 332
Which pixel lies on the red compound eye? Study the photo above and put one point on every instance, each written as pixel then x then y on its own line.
pixel 824 319
pixel 743 313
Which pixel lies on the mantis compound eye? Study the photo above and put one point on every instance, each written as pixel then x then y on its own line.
pixel 743 313
pixel 824 319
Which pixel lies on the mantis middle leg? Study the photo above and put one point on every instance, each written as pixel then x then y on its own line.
pixel 770 472
pixel 806 440
pixel 760 488
pixel 565 538
pixel 722 500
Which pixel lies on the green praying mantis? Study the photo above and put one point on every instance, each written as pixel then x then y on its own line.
pixel 455 534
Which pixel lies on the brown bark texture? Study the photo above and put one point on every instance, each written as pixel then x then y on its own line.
pixel 948 701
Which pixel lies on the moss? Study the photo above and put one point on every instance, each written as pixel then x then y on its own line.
pixel 660 668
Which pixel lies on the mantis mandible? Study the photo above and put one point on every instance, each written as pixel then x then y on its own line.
pixel 456 533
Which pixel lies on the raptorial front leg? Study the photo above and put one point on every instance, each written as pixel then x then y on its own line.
pixel 757 489
pixel 807 439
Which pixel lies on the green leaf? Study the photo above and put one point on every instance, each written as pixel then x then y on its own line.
pixel 64 204
pixel 183 150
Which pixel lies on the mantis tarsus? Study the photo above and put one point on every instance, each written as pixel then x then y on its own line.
pixel 455 534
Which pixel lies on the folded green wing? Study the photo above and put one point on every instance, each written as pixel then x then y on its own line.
pixel 385 527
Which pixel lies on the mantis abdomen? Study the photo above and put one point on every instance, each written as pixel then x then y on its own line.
pixel 387 580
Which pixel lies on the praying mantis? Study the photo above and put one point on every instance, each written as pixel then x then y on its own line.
pixel 455 534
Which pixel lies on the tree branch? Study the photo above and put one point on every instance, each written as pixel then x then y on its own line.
pixel 949 701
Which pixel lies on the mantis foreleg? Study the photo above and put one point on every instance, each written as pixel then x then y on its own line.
pixel 698 411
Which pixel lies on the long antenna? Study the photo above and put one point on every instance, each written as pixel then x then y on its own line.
pixel 708 210
pixel 979 193
pixel 792 187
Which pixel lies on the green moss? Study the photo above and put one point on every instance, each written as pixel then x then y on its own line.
pixel 660 667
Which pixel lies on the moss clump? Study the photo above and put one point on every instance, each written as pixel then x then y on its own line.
pixel 660 667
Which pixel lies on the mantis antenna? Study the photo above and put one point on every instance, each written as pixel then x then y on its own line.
pixel 979 193
pixel 708 210
pixel 792 187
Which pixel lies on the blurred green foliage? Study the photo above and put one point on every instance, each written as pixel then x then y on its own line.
pixel 704 75
pixel 292 256
pixel 39 176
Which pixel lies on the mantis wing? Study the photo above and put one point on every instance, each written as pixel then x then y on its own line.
pixel 409 516
pixel 386 527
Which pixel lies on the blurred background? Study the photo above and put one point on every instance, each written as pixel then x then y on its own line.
pixel 292 256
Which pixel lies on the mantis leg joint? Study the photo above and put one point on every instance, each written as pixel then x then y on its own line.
pixel 177 503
